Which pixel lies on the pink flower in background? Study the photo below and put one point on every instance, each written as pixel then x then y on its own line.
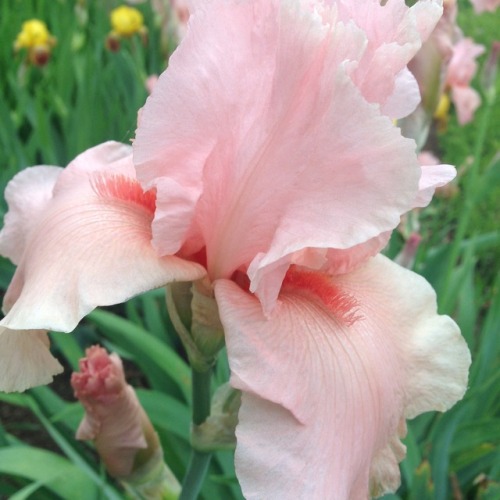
pixel 443 67
pixel 151 81
pixel 180 11
pixel 279 188
pixel 485 5
pixel 460 72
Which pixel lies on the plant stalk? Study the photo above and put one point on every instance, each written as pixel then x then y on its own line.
pixel 199 461
pixel 468 206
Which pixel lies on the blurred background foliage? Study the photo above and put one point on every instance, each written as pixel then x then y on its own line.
pixel 86 94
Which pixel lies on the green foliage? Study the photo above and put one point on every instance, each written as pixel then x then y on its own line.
pixel 51 114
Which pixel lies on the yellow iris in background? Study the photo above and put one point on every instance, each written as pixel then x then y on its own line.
pixel 36 38
pixel 127 21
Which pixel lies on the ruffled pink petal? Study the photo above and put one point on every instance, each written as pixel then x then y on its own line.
pixel 329 377
pixel 433 176
pixel 266 280
pixel 395 33
pixel 25 360
pixel 405 97
pixel 91 246
pixel 27 195
pixel 242 156
pixel 109 157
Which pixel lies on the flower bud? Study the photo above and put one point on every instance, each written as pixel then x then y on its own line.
pixel 114 419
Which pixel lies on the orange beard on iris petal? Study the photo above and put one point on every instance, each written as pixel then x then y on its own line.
pixel 321 287
pixel 123 188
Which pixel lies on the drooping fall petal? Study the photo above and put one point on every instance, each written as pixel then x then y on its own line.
pixel 27 195
pixel 288 158
pixel 330 376
pixel 89 246
pixel 25 360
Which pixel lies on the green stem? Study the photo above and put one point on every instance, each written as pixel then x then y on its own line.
pixel 468 206
pixel 199 461
pixel 193 480
pixel 201 395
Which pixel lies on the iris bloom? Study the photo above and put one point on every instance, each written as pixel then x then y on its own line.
pixel 460 72
pixel 266 163
pixel 444 68
pixel 126 22
pixel 485 5
pixel 36 38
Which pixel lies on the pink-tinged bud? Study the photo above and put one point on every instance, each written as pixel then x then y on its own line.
pixel 122 433
pixel 151 81
pixel 406 257
pixel 114 418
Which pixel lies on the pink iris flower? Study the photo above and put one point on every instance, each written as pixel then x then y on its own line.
pixel 485 5
pixel 266 162
pixel 460 72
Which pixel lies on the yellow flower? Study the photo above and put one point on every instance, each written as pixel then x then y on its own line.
pixel 126 21
pixel 37 40
pixel 34 33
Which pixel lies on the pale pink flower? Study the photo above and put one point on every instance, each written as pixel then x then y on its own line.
pixel 429 68
pixel 279 187
pixel 485 5
pixel 180 11
pixel 460 71
pixel 445 64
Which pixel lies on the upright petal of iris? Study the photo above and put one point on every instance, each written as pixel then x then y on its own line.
pixel 252 170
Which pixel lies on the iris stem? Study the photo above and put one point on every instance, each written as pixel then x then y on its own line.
pixel 470 188
pixel 199 461
pixel 196 472
pixel 201 395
